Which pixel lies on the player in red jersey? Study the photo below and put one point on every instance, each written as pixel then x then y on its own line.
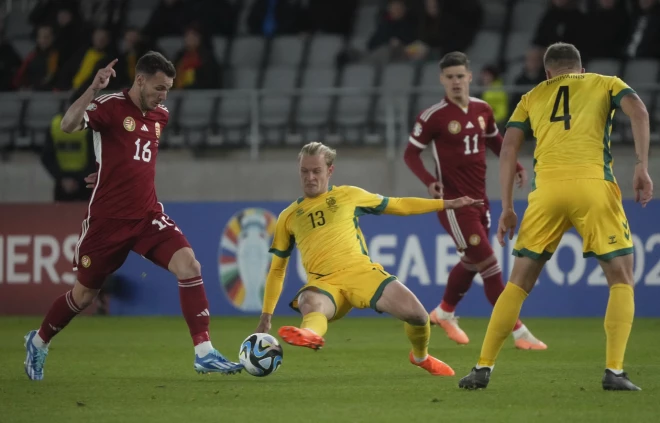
pixel 458 129
pixel 124 214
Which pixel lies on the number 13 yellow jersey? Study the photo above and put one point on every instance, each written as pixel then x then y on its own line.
pixel 571 118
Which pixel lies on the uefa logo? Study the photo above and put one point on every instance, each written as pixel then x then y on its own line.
pixel 243 257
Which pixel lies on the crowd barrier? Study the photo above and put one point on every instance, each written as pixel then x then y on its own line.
pixel 37 243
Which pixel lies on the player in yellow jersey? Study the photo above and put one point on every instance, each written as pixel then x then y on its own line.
pixel 340 274
pixel 570 115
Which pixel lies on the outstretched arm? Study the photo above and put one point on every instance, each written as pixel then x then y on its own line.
pixel 272 291
pixel 405 206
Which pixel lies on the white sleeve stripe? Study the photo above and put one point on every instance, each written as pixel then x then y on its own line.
pixel 416 143
pixel 494 133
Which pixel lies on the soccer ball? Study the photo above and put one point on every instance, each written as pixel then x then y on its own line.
pixel 260 354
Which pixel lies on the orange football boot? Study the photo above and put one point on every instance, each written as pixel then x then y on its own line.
pixel 527 341
pixel 301 337
pixel 454 332
pixel 433 365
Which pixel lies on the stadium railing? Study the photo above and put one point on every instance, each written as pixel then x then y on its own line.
pixel 259 118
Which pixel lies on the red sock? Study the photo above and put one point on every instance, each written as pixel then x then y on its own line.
pixel 195 308
pixel 60 314
pixel 494 286
pixel 460 279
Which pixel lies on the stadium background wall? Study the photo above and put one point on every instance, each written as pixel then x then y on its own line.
pixel 37 243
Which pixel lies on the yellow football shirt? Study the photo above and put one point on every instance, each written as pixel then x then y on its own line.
pixel 571 118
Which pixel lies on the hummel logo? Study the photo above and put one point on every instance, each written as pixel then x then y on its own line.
pixel 469 125
pixel 144 128
pixel 204 313
pixel 612 239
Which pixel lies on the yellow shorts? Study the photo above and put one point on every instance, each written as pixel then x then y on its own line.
pixel 592 206
pixel 358 286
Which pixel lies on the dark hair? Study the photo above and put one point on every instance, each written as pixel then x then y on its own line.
pixel 491 69
pixel 455 58
pixel 153 62
pixel 562 55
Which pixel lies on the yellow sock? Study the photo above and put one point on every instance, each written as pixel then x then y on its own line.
pixel 618 323
pixel 504 317
pixel 315 321
pixel 419 338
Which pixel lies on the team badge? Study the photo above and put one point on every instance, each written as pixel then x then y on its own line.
pixel 454 127
pixel 91 107
pixel 129 124
pixel 332 203
pixel 157 130
pixel 482 123
pixel 475 240
pixel 417 129
pixel 86 261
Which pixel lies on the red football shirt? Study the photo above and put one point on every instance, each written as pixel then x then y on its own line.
pixel 126 146
pixel 458 142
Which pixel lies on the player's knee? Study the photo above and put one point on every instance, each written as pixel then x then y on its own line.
pixel 83 296
pixel 310 301
pixel 186 266
pixel 418 317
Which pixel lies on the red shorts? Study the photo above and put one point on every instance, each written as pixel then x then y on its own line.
pixel 104 244
pixel 470 229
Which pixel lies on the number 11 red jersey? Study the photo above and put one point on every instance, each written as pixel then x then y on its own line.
pixel 126 146
pixel 458 142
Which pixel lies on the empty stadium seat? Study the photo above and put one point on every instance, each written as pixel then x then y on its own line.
pixel 517 44
pixel 353 109
pixel 643 71
pixel 527 14
pixel 313 109
pixel 323 50
pixel 276 107
pixel 287 51
pixel 247 52
pixel 608 67
pixel 194 115
pixel 170 46
pixel 365 22
pixel 485 47
pixel 41 107
pixel 397 79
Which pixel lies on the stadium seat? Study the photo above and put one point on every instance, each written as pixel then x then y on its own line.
pixel 276 107
pixel 353 109
pixel 194 117
pixel 517 44
pixel 233 115
pixel 365 23
pixel 603 66
pixel 397 79
pixel 485 47
pixel 313 110
pixel 527 15
pixel 170 46
pixel 41 107
pixel 323 50
pixel 433 91
pixel 287 51
pixel 643 71
pixel 494 14
pixel 10 111
pixel 23 46
pixel 247 52
pixel 220 49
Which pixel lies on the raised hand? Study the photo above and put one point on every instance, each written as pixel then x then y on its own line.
pixel 463 202
pixel 102 78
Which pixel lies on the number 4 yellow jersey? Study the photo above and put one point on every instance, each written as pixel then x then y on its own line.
pixel 571 118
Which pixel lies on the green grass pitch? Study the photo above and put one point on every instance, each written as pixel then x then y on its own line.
pixel 108 369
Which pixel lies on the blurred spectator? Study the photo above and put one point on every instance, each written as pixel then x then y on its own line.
pixel 105 13
pixel 39 69
pixel 82 67
pixel 69 30
pixel 68 158
pixel 332 16
pixel 133 46
pixel 610 14
pixel 395 31
pixel 10 61
pixel 196 67
pixel 277 17
pixel 533 73
pixel 166 19
pixel 216 17
pixel 460 21
pixel 45 12
pixel 563 21
pixel 430 32
pixel 493 93
pixel 645 37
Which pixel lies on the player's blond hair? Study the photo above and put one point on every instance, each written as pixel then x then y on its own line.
pixel 562 55
pixel 316 148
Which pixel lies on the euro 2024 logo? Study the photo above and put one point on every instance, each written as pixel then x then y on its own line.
pixel 244 259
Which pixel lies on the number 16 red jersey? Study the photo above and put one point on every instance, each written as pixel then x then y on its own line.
pixel 126 146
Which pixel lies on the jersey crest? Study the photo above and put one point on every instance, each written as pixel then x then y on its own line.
pixel 157 130
pixel 454 127
pixel 482 123
pixel 129 124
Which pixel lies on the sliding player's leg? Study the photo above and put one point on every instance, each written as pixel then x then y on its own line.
pixel 318 302
pixel 396 299
pixel 163 243
pixel 102 248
